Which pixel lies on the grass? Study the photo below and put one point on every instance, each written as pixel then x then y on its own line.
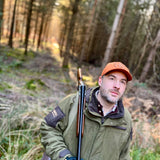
pixel 19 119
pixel 19 131
pixel 144 154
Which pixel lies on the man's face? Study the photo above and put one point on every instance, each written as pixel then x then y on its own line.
pixel 112 86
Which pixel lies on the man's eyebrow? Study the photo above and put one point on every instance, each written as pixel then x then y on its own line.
pixel 111 75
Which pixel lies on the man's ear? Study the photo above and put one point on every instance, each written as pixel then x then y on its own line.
pixel 100 80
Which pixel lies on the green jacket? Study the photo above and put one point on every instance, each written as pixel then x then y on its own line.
pixel 104 138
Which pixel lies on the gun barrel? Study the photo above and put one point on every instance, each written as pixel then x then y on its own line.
pixel 81 121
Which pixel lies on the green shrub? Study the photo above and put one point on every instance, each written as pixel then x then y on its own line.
pixel 33 84
pixel 144 154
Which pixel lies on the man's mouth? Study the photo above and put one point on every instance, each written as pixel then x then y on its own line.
pixel 114 93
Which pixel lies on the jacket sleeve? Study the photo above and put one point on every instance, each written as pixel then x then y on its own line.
pixel 52 129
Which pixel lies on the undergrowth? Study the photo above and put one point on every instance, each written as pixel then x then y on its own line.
pixel 138 153
pixel 19 131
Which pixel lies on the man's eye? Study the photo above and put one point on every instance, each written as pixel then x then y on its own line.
pixel 111 78
pixel 123 82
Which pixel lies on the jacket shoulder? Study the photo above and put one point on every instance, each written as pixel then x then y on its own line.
pixel 66 101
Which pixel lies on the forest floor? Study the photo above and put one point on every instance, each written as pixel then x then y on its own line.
pixel 38 80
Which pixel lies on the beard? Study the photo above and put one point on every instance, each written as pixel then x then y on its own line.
pixel 105 94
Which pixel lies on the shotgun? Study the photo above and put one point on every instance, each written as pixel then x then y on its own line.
pixel 80 115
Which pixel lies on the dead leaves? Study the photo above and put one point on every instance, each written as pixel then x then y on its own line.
pixel 127 102
pixel 156 132
pixel 144 114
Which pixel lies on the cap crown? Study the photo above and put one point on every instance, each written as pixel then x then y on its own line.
pixel 117 66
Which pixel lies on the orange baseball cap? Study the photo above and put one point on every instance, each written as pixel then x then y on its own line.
pixel 117 66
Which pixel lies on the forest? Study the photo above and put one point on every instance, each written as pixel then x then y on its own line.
pixel 42 43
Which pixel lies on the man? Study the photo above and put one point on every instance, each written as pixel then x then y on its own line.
pixel 108 125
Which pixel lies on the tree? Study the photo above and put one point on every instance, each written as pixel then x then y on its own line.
pixel 29 15
pixel 88 32
pixel 144 60
pixel 36 25
pixel 64 27
pixel 41 29
pixel 46 9
pixel 70 33
pixel 10 43
pixel 100 32
pixel 151 56
pixel 1 15
pixel 115 29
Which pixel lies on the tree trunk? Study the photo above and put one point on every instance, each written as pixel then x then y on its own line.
pixel 70 33
pixel 150 58
pixel 22 24
pixel 91 52
pixel 115 30
pixel 46 28
pixel 8 20
pixel 63 33
pixel 17 21
pixel 141 56
pixel 40 32
pixel 88 32
pixel 10 43
pixel 47 31
pixel 28 26
pixel 35 28
pixel 1 16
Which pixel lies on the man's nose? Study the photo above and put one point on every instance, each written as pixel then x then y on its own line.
pixel 117 84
